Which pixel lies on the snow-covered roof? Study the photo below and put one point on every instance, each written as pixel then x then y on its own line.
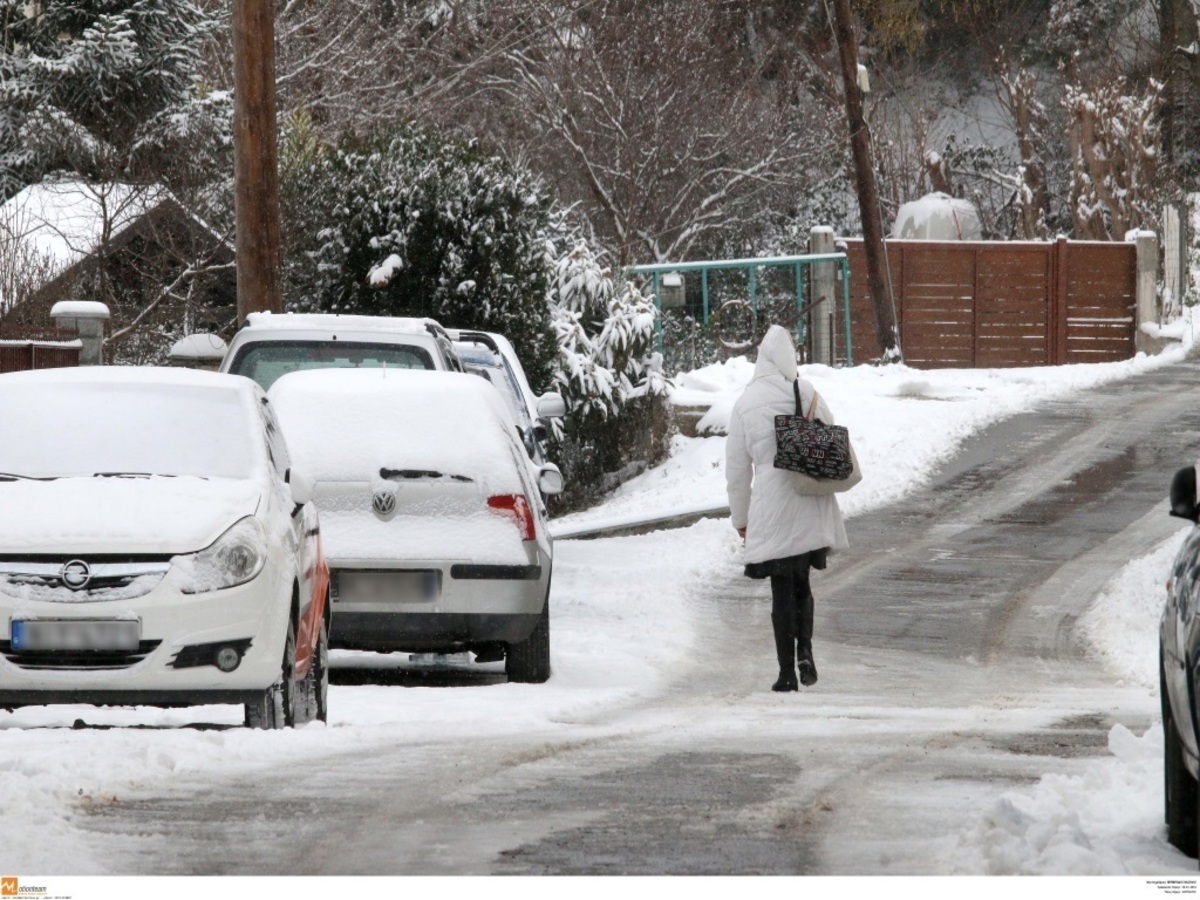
pixel 66 221
pixel 336 322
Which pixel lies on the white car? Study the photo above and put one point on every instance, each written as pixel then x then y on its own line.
pixel 155 547
pixel 435 538
pixel 493 357
pixel 270 345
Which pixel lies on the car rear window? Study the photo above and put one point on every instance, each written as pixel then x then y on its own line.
pixel 267 361
pixel 57 431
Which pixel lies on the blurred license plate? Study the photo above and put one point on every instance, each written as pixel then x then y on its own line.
pixel 421 586
pixel 75 634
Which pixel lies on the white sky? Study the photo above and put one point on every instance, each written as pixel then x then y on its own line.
pixel 609 646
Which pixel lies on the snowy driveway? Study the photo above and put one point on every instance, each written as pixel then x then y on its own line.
pixel 951 675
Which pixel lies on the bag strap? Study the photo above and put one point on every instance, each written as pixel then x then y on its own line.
pixel 812 410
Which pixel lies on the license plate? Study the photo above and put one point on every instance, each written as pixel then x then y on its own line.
pixel 422 586
pixel 75 634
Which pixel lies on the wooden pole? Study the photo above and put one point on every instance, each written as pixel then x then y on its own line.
pixel 868 193
pixel 256 174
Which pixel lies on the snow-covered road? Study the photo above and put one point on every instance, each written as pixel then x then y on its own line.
pixel 656 746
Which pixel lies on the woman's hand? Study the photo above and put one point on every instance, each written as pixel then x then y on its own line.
pixel 741 533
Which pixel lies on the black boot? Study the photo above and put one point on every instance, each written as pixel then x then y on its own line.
pixel 785 652
pixel 785 682
pixel 808 668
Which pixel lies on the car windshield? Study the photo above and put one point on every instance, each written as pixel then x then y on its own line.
pixel 267 361
pixel 125 430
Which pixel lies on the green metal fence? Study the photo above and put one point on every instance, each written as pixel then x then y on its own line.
pixel 800 268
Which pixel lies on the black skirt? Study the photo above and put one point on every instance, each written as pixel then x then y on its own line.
pixel 816 559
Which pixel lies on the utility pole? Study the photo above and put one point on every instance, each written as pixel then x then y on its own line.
pixel 255 167
pixel 868 193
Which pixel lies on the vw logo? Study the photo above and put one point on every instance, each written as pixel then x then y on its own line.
pixel 384 503
pixel 76 574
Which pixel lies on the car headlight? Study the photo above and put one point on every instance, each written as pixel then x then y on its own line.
pixel 232 559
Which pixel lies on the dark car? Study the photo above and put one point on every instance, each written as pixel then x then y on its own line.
pixel 1179 673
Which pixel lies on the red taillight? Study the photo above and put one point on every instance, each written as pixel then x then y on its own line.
pixel 518 506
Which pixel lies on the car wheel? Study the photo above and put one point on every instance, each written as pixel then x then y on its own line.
pixel 1181 791
pixel 528 661
pixel 276 706
pixel 266 710
pixel 318 676
pixel 288 685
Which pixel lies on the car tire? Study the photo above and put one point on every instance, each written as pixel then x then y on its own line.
pixel 528 661
pixel 266 710
pixel 1181 793
pixel 318 677
pixel 288 687
pixel 276 706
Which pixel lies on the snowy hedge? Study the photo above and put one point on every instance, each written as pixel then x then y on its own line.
pixel 618 419
pixel 408 223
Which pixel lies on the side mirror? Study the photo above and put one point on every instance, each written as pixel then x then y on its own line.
pixel 550 479
pixel 1183 495
pixel 551 405
pixel 302 486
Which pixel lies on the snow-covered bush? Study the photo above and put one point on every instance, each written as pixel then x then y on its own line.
pixel 618 421
pixel 408 223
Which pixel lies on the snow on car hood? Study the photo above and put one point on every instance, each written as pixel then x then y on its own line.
pixel 120 515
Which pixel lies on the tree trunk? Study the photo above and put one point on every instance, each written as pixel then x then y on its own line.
pixel 256 173
pixel 868 194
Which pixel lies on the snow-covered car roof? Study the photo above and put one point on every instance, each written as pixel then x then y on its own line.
pixel 349 424
pixel 336 322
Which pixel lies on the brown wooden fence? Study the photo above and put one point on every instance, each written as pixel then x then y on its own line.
pixel 42 348
pixel 980 304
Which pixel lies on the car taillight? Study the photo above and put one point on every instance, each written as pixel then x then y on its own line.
pixel 518 506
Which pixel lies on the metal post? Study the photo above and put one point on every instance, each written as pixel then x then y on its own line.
pixel 658 329
pixel 845 267
pixel 704 292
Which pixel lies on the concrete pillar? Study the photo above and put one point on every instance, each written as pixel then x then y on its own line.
pixel 88 318
pixel 1147 281
pixel 824 296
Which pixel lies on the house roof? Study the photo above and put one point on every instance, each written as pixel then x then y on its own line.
pixel 65 222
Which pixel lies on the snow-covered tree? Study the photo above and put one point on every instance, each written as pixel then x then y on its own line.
pixel 409 223
pixel 1114 152
pixel 102 89
pixel 652 117
pixel 608 370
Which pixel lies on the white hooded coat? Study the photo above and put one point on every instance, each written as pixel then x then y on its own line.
pixel 779 522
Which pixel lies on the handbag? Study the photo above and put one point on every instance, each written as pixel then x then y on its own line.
pixel 819 456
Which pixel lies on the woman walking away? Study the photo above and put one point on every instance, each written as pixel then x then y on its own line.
pixel 786 533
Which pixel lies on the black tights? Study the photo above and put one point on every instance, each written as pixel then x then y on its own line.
pixel 792 612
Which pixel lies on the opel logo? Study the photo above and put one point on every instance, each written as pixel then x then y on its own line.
pixel 384 503
pixel 76 574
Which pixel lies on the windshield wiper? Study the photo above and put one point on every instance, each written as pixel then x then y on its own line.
pixel 389 474
pixel 13 476
pixel 121 475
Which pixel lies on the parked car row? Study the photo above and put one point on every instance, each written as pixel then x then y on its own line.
pixel 173 537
